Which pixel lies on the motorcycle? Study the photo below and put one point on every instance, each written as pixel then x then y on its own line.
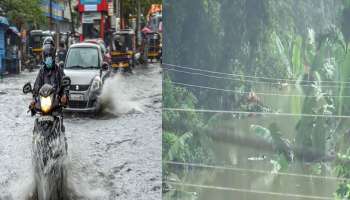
pixel 49 145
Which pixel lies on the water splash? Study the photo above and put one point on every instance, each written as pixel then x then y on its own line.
pixel 117 95
pixel 49 155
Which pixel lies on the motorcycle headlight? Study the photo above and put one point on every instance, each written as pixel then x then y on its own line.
pixel 96 84
pixel 45 103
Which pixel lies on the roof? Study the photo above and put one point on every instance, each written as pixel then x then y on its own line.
pixel 4 21
pixel 49 33
pixel 36 32
pixel 96 41
pixel 84 44
pixel 15 30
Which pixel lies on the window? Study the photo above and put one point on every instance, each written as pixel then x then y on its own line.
pixel 83 57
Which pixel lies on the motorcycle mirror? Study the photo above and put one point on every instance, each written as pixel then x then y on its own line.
pixel 27 88
pixel 66 81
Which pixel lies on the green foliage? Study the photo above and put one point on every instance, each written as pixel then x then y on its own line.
pixel 178 149
pixel 280 39
pixel 262 132
pixel 23 12
pixel 297 61
pixel 344 77
pixel 178 97
pixel 342 169
pixel 281 146
pixel 346 24
pixel 182 137
pixel 313 131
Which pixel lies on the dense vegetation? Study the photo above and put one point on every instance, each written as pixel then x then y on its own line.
pixel 22 12
pixel 290 43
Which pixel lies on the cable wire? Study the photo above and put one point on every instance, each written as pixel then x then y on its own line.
pixel 197 165
pixel 247 76
pixel 258 93
pixel 251 81
pixel 249 112
pixel 247 190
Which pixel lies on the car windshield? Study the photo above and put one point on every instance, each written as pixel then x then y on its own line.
pixel 82 58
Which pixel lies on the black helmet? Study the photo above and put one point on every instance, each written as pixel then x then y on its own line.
pixel 49 47
pixel 49 52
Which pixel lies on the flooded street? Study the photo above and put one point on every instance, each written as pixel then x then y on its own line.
pixel 246 171
pixel 116 155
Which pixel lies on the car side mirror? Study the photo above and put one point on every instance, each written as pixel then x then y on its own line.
pixel 66 81
pixel 104 66
pixel 27 88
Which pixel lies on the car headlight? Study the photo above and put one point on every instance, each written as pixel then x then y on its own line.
pixel 96 83
pixel 45 103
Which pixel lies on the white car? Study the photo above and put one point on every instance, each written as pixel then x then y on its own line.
pixel 87 70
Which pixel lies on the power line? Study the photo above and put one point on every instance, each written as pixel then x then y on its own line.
pixel 247 76
pixel 258 93
pixel 254 171
pixel 249 112
pixel 246 190
pixel 251 81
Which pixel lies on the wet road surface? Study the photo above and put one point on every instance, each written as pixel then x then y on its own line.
pixel 116 155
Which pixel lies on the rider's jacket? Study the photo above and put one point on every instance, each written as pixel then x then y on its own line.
pixel 49 76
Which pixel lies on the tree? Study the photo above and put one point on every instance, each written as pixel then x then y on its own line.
pixel 23 12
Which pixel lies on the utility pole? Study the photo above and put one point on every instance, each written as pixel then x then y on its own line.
pixel 71 15
pixel 115 13
pixel 50 15
pixel 138 23
pixel 121 13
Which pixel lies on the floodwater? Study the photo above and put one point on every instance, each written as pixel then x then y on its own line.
pixel 245 172
pixel 116 155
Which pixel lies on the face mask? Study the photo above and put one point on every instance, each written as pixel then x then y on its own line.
pixel 48 62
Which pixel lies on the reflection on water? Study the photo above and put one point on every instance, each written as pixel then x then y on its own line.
pixel 251 173
pixel 259 184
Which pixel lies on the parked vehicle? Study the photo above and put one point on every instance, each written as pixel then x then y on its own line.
pixel 49 145
pixel 153 45
pixel 13 43
pixel 36 39
pixel 123 50
pixel 87 70
pixel 105 53
pixel 152 34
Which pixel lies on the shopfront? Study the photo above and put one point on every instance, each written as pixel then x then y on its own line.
pixel 94 18
pixel 4 25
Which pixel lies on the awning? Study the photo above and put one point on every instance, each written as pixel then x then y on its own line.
pixel 4 21
pixel 14 30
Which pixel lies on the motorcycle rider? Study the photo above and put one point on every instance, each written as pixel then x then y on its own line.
pixel 50 73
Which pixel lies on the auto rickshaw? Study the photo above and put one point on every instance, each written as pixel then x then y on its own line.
pixel 154 48
pixel 36 39
pixel 123 49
